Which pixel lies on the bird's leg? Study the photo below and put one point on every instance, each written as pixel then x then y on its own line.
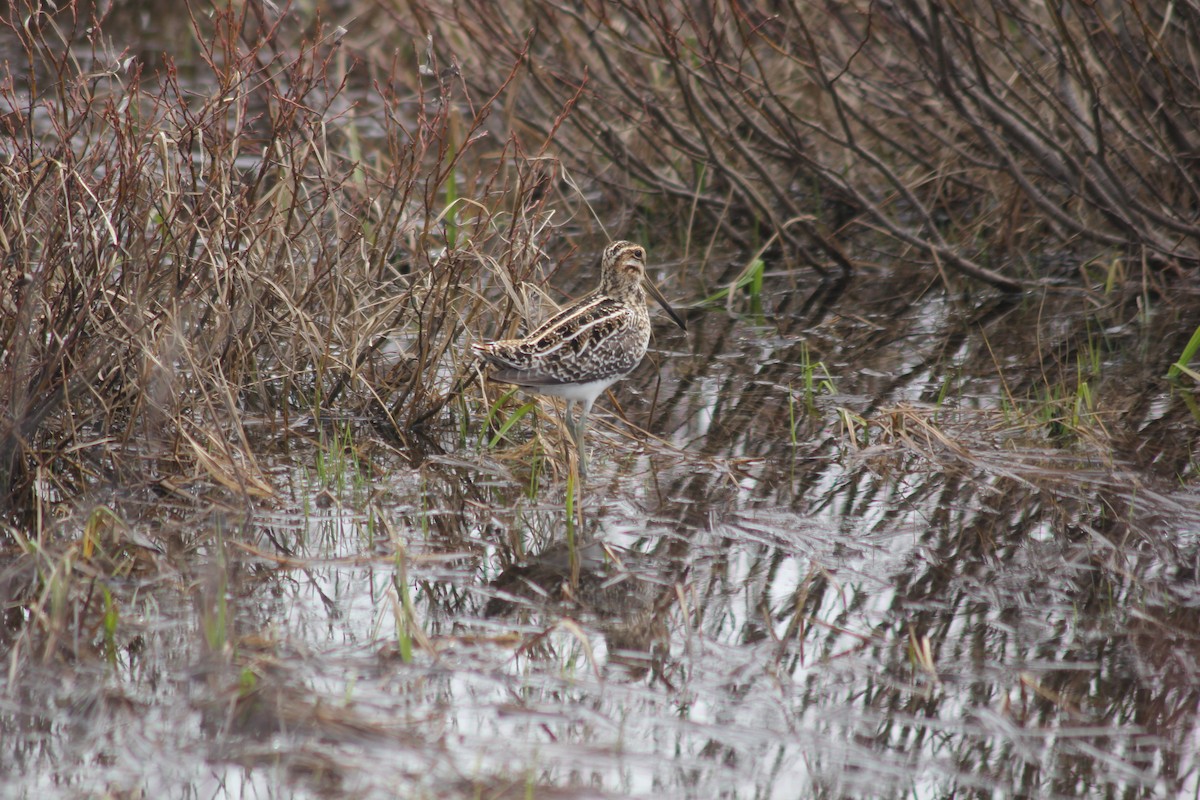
pixel 570 421
pixel 579 431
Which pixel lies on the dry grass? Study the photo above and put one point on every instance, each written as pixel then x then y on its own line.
pixel 183 256
pixel 1004 140
pixel 297 223
pixel 312 223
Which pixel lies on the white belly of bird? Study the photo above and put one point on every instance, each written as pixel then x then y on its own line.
pixel 582 392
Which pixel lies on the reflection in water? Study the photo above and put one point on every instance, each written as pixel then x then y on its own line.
pixel 825 581
pixel 867 539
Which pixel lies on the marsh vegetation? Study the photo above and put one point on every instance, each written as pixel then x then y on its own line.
pixel 911 511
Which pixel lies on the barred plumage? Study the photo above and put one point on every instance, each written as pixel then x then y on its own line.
pixel 589 346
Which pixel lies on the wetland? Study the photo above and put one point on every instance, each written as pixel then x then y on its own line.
pixel 911 510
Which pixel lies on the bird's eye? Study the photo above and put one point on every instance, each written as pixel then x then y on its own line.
pixel 639 253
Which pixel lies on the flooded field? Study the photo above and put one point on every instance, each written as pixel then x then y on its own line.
pixel 892 535
pixel 858 591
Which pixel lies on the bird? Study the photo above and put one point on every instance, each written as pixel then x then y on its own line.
pixel 588 346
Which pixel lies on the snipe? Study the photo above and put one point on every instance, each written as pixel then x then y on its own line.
pixel 589 346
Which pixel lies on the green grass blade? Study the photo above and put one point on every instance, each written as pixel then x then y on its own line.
pixel 1185 358
pixel 508 423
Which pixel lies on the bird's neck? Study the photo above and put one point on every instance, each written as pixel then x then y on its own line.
pixel 622 291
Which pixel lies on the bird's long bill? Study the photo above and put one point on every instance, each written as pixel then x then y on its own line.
pixel 662 301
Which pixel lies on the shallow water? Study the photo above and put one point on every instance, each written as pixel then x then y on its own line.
pixel 858 592
pixel 878 540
